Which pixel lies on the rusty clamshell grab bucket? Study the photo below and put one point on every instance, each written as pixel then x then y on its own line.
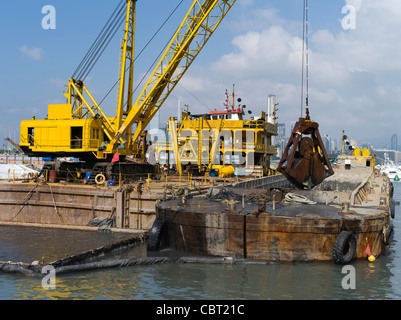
pixel 305 162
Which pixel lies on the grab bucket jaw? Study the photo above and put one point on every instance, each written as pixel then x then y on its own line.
pixel 305 162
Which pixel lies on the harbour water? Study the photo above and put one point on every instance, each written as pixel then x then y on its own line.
pixel 306 281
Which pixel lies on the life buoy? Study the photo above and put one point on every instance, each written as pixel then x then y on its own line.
pixel 100 178
pixel 344 247
pixel 155 235
pixel 388 234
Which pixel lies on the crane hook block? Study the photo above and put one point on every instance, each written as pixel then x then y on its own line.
pixel 305 162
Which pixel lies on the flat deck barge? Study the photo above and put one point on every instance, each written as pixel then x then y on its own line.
pixel 341 219
pixel 131 207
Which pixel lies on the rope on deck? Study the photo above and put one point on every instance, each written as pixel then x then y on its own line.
pixel 297 198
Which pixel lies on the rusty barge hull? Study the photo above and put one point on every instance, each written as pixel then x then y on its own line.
pixel 269 237
pixel 353 204
pixel 72 206
pixel 63 206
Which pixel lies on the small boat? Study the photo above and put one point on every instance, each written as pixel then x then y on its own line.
pixel 390 169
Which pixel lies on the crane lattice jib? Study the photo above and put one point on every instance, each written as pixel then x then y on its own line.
pixel 195 30
pixel 127 57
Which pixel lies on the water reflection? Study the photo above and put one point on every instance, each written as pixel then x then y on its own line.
pixel 23 244
pixel 190 281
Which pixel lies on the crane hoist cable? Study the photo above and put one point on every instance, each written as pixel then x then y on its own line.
pixel 91 49
pixel 102 41
pixel 118 21
pixel 158 57
pixel 305 56
pixel 201 102
pixel 143 49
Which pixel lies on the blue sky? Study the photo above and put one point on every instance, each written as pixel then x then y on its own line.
pixel 354 74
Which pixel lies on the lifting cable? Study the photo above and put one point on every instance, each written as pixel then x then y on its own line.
pixel 202 103
pixel 151 39
pixel 157 59
pixel 102 41
pixel 305 55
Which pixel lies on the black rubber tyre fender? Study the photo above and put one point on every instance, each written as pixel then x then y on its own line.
pixel 155 234
pixel 392 208
pixel 344 247
pixel 388 235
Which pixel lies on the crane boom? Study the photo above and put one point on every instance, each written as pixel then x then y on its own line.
pixel 14 144
pixel 127 57
pixel 195 30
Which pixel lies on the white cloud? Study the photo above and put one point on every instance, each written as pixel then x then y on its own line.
pixel 354 74
pixel 33 53
pixel 357 4
pixel 272 53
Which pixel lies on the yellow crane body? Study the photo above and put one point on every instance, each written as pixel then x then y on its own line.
pixel 60 135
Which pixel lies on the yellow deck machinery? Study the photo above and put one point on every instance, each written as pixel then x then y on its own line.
pixel 80 129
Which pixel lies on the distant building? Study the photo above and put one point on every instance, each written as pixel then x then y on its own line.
pixel 280 143
pixel 155 122
pixel 394 142
pixel 281 130
pixel 392 154
pixel 292 125
pixel 327 143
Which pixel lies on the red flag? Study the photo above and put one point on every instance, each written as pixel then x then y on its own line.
pixel 116 158
pixel 368 251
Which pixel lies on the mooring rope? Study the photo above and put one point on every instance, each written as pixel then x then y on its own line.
pixel 54 203
pixel 297 198
pixel 23 203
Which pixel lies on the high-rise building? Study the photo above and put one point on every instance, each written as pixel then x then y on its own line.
pixel 327 143
pixel 292 125
pixel 394 142
pixel 155 122
pixel 281 129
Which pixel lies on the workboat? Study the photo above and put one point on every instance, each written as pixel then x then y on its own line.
pixel 347 216
pixel 390 169
pixel 222 140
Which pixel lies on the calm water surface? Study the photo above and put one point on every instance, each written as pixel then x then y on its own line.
pixel 378 280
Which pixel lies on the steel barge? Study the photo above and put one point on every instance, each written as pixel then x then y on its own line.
pixel 348 216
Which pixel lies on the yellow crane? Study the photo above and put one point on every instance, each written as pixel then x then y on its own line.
pixel 79 128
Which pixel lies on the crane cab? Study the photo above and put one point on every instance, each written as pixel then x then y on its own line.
pixel 59 134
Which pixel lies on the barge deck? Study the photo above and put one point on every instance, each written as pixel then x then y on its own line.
pixel 131 207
